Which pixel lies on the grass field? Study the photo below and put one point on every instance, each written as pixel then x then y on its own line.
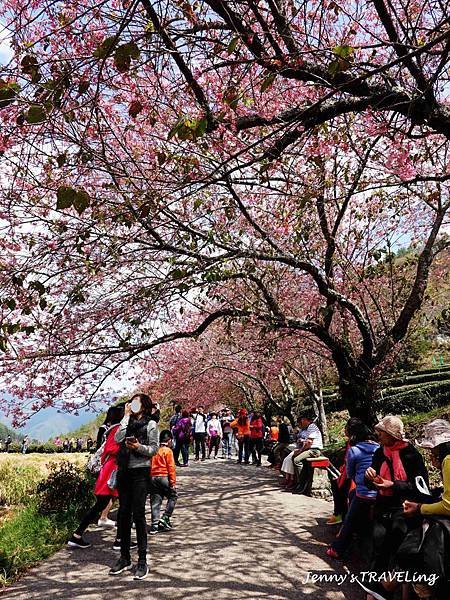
pixel 41 461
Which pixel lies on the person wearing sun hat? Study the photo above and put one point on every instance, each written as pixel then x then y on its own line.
pixel 436 438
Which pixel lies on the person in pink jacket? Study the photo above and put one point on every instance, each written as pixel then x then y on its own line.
pixel 103 493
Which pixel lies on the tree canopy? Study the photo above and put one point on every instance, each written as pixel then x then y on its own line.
pixel 171 164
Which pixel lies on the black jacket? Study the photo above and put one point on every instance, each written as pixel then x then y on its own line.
pixel 404 490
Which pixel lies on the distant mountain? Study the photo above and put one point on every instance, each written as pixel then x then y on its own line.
pixel 50 422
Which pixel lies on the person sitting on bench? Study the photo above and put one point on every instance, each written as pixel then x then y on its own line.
pixel 311 447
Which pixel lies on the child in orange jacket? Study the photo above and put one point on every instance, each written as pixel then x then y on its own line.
pixel 163 484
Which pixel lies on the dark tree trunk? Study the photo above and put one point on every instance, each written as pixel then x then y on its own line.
pixel 358 395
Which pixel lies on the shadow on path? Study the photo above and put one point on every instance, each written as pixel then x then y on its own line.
pixel 236 535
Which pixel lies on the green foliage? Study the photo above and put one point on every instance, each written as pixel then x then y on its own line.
pixel 66 488
pixel 123 56
pixel 414 397
pixel 28 537
pixel 44 448
pixel 343 59
pixel 17 483
pixel 8 93
pixel 36 114
pixel 67 196
pixel 5 431
pixel 104 49
pixel 268 81
pixel 189 129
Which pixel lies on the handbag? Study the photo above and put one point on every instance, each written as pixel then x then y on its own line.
pixel 112 481
pixel 94 463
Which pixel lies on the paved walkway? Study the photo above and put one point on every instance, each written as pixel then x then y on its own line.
pixel 236 536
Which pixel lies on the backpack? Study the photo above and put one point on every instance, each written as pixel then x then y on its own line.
pixel 94 463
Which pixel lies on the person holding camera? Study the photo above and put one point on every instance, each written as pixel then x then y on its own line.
pixel 138 436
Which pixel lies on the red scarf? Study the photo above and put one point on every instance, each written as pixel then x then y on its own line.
pixel 393 458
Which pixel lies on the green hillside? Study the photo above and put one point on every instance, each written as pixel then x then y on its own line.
pixel 89 429
pixel 5 431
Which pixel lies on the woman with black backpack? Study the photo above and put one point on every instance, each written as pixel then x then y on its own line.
pixel 138 436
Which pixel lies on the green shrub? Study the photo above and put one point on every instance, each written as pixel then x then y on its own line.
pixel 66 488
pixel 28 537
pixel 17 483
pixel 44 448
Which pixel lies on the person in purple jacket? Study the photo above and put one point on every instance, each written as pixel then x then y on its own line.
pixel 359 458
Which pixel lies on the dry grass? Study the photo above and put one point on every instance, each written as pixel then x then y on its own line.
pixel 42 461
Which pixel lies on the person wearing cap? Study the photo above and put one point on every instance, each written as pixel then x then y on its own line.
pixel 398 473
pixel 436 439
pixel 242 424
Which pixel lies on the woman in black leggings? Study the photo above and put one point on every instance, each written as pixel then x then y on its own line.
pixel 138 437
pixel 103 493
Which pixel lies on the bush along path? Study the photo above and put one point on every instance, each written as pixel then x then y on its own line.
pixel 37 512
pixel 236 535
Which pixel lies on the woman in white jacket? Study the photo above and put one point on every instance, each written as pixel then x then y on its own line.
pixel 214 431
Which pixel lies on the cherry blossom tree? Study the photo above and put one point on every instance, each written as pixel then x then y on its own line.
pixel 271 372
pixel 252 161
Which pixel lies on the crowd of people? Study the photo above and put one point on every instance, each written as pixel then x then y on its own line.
pixel 72 444
pixel 381 492
pixel 221 435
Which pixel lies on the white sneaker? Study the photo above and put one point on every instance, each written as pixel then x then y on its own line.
pixel 106 523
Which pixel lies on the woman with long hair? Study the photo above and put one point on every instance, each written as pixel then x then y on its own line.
pixel 104 494
pixel 138 437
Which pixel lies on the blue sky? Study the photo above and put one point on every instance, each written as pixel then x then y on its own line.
pixel 5 50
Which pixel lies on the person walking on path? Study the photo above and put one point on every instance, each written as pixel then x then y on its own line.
pixel 138 436
pixel 200 433
pixel 24 446
pixel 242 424
pixel 257 430
pixel 163 484
pixel 182 432
pixel 214 431
pixel 227 433
pixel 103 491
pixel 104 520
pixel 172 424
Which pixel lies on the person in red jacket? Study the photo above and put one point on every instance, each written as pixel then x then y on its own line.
pixel 257 430
pixel 103 493
pixel 163 484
